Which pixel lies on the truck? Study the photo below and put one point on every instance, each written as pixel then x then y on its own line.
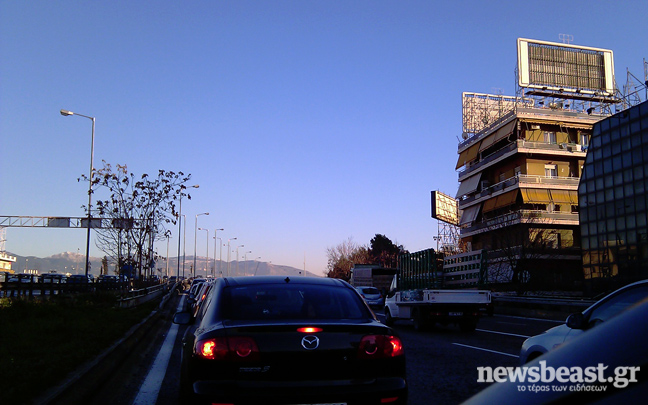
pixel 417 294
pixel 372 275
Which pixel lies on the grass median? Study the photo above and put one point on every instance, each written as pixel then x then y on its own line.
pixel 41 342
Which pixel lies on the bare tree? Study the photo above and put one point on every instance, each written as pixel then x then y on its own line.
pixel 139 209
pixel 521 251
pixel 343 256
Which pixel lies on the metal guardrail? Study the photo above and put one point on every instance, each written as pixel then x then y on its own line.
pixel 31 287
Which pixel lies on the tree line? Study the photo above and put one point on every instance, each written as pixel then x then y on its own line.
pixel 380 251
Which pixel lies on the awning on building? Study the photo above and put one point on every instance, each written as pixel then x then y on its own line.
pixel 559 123
pixel 576 125
pixel 470 214
pixel 501 133
pixel 507 198
pixel 468 155
pixel 536 196
pixel 469 185
pixel 565 196
pixel 500 201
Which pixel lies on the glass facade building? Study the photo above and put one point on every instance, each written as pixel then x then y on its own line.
pixel 613 201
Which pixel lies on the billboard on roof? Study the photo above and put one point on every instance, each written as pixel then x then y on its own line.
pixel 565 68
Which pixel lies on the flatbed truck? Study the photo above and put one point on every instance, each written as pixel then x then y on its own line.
pixel 417 294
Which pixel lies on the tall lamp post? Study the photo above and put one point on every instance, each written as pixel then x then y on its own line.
pixel 180 231
pixel 237 258
pixel 196 240
pixel 215 238
pixel 184 245
pixel 228 255
pixel 207 239
pixel 245 261
pixel 66 113
pixel 220 259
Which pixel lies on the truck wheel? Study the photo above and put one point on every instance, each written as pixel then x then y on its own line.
pixel 389 321
pixel 420 323
pixel 468 326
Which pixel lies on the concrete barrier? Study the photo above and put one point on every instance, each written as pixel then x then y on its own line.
pixel 535 307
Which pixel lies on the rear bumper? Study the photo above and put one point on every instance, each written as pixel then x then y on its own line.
pixel 368 391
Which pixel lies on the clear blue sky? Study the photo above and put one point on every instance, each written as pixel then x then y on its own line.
pixel 304 122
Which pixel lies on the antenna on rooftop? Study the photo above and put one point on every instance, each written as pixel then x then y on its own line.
pixel 566 38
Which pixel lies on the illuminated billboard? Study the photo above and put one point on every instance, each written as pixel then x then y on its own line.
pixel 565 68
pixel 445 208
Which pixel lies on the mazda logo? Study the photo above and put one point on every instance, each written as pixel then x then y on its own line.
pixel 310 342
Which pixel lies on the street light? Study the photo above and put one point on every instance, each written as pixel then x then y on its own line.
pixel 167 255
pixel 220 259
pixel 196 240
pixel 237 258
pixel 215 238
pixel 207 265
pixel 180 230
pixel 184 245
pixel 66 113
pixel 245 261
pixel 228 255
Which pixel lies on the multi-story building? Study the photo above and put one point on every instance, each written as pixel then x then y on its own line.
pixel 612 198
pixel 520 161
pixel 519 193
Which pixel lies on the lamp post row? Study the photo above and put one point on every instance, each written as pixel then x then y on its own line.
pixel 66 113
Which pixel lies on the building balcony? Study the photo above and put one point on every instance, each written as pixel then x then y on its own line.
pixel 522 146
pixel 518 217
pixel 522 181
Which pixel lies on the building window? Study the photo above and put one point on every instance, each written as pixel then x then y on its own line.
pixel 550 137
pixel 551 171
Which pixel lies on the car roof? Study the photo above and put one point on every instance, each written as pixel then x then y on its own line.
pixel 614 293
pixel 626 333
pixel 252 280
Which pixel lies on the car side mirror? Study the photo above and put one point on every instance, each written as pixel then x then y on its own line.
pixel 576 321
pixel 183 318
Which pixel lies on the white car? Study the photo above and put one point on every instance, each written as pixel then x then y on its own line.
pixel 578 323
pixel 372 296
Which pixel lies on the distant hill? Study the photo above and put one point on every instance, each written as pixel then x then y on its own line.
pixel 73 263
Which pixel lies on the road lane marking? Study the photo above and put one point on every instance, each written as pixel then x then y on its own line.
pixel 486 350
pixel 150 388
pixel 503 333
pixel 529 318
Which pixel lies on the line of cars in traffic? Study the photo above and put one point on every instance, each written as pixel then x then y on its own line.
pixel 28 279
pixel 276 339
pixel 271 338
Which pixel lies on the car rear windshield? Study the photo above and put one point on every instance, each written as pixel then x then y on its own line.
pixel 291 301
pixel 370 290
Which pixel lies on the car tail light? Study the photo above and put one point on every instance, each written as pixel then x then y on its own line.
pixel 309 329
pixel 212 349
pixel 380 346
pixel 223 348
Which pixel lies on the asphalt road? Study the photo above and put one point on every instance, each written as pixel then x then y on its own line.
pixel 442 362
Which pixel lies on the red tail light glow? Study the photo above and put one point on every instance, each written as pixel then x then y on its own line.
pixel 309 329
pixel 212 349
pixel 223 348
pixel 380 346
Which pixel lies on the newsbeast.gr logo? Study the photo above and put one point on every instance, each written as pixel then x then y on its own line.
pixel 546 375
